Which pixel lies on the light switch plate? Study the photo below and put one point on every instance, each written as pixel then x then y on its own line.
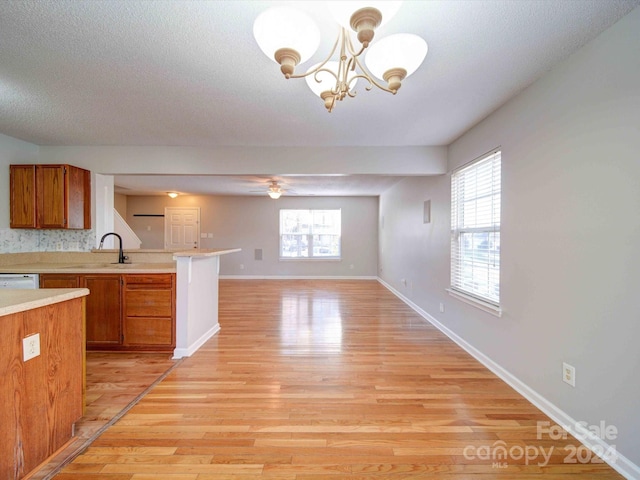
pixel 31 346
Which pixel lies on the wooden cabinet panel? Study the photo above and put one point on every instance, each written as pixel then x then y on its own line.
pixel 50 196
pixel 42 397
pixel 22 188
pixel 78 198
pixel 148 303
pixel 55 280
pixel 148 331
pixel 149 310
pixel 104 312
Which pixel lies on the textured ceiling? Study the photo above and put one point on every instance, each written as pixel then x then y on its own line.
pixel 189 73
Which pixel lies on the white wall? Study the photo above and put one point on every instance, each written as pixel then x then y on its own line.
pixel 252 222
pixel 570 236
pixel 102 209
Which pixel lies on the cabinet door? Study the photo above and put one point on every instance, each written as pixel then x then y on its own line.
pixel 51 198
pixel 22 190
pixel 55 280
pixel 149 310
pixel 104 312
pixel 78 198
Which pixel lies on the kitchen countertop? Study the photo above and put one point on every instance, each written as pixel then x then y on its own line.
pixel 89 268
pixel 83 264
pixel 15 301
pixel 202 252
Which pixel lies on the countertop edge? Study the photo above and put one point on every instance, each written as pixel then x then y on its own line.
pixel 205 253
pixel 16 301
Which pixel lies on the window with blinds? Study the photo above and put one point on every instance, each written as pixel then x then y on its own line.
pixel 475 229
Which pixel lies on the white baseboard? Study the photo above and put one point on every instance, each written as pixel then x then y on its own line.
pixel 191 349
pixel 620 463
pixel 295 277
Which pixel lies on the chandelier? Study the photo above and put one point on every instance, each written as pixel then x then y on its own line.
pixel 290 37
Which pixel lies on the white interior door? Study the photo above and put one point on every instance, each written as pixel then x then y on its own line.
pixel 181 228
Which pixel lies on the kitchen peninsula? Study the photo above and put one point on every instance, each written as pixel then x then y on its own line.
pixel 194 298
pixel 42 381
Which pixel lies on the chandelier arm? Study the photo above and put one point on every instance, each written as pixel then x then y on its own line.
pixel 366 74
pixel 324 62
pixel 335 89
pixel 352 93
pixel 349 46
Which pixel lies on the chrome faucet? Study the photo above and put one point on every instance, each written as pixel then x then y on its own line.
pixel 121 257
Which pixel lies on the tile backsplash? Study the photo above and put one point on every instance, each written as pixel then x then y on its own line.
pixel 26 240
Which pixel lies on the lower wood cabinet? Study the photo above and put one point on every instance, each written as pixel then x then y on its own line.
pixel 129 312
pixel 149 310
pixel 41 398
pixel 104 310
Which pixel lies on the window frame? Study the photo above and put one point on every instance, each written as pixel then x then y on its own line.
pixel 480 261
pixel 310 234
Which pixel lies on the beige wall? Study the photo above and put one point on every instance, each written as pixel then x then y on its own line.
pixel 252 223
pixel 120 204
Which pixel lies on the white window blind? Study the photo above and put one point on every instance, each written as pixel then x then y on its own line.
pixel 310 234
pixel 475 229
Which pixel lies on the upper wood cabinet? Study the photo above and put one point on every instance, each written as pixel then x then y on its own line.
pixel 50 196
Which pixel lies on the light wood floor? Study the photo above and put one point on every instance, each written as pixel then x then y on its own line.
pixel 326 379
pixel 114 381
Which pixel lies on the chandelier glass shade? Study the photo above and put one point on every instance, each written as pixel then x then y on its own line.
pixel 289 37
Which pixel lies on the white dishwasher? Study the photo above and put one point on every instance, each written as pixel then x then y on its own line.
pixel 19 280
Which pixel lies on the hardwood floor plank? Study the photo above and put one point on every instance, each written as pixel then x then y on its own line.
pixel 315 379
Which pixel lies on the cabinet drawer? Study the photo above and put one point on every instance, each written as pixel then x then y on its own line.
pixel 148 331
pixel 158 280
pixel 148 303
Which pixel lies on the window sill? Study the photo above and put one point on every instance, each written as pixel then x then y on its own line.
pixel 482 305
pixel 311 259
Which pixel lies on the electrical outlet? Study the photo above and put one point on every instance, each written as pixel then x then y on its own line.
pixel 242 266
pixel 568 374
pixel 30 347
pixel 441 307
pixel 59 246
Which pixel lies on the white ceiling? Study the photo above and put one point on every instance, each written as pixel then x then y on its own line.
pixel 189 73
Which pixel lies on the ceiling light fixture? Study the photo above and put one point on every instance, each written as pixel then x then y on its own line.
pixel 289 37
pixel 172 194
pixel 274 190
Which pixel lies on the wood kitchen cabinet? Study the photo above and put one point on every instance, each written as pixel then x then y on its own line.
pixel 149 310
pixel 104 310
pixel 128 312
pixel 50 196
pixel 41 398
pixel 104 304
